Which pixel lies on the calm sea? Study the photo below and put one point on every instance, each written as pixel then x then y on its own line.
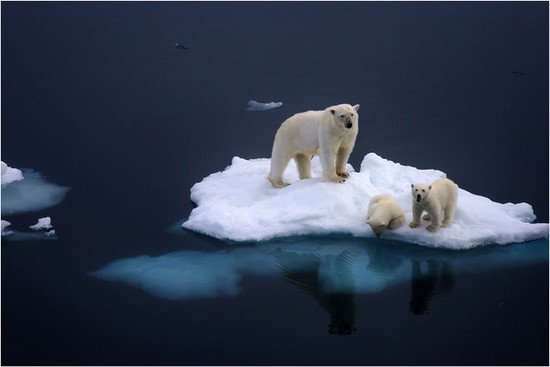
pixel 96 97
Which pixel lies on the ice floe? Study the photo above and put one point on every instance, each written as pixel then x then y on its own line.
pixel 5 224
pixel 10 174
pixel 43 223
pixel 319 266
pixel 258 106
pixel 239 204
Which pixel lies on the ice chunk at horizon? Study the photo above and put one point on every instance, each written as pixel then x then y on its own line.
pixel 31 194
pixel 10 174
pixel 319 266
pixel 259 106
pixel 43 223
pixel 239 204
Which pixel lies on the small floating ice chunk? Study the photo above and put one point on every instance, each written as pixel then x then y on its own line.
pixel 26 236
pixel 30 235
pixel 180 45
pixel 43 223
pixel 5 224
pixel 10 174
pixel 239 204
pixel 259 106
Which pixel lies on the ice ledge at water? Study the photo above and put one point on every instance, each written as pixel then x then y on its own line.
pixel 239 204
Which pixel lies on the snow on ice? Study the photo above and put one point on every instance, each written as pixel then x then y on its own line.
pixel 239 204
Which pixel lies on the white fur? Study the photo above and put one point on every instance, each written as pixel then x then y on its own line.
pixel 384 212
pixel 438 200
pixel 315 132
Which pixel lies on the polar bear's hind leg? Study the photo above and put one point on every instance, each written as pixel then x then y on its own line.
pixel 277 183
pixel 448 216
pixel 279 162
pixel 397 222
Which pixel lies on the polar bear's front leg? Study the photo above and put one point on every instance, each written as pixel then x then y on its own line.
pixel 303 162
pixel 327 156
pixel 341 160
pixel 417 212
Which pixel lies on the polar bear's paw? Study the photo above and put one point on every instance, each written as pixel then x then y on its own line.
pixel 427 217
pixel 335 178
pixel 277 183
pixel 343 174
pixel 432 228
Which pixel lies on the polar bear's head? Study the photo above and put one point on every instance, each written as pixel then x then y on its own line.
pixel 345 115
pixel 378 226
pixel 420 191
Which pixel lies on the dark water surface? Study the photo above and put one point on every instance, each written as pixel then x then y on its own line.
pixel 96 97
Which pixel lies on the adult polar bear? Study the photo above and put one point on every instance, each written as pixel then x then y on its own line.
pixel 330 133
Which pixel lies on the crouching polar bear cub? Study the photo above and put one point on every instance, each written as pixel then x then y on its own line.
pixel 384 212
pixel 438 199
pixel 330 133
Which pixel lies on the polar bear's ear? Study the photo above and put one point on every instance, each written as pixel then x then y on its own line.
pixel 356 107
pixel 412 186
pixel 332 111
pixel 430 187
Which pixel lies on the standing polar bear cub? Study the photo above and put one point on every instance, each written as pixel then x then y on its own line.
pixel 330 133
pixel 438 199
pixel 384 212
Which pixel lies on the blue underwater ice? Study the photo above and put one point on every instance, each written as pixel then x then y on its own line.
pixel 31 194
pixel 317 265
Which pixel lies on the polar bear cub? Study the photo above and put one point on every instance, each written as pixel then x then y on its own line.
pixel 384 212
pixel 330 133
pixel 438 199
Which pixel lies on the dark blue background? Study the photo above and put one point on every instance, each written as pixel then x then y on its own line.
pixel 95 96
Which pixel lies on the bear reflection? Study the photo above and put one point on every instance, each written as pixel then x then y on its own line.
pixel 436 280
pixel 327 279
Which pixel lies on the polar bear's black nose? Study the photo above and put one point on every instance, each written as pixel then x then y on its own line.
pixel 349 125
pixel 418 197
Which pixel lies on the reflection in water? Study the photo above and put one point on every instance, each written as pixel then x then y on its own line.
pixel 438 279
pixel 306 271
pixel 331 271
pixel 28 236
